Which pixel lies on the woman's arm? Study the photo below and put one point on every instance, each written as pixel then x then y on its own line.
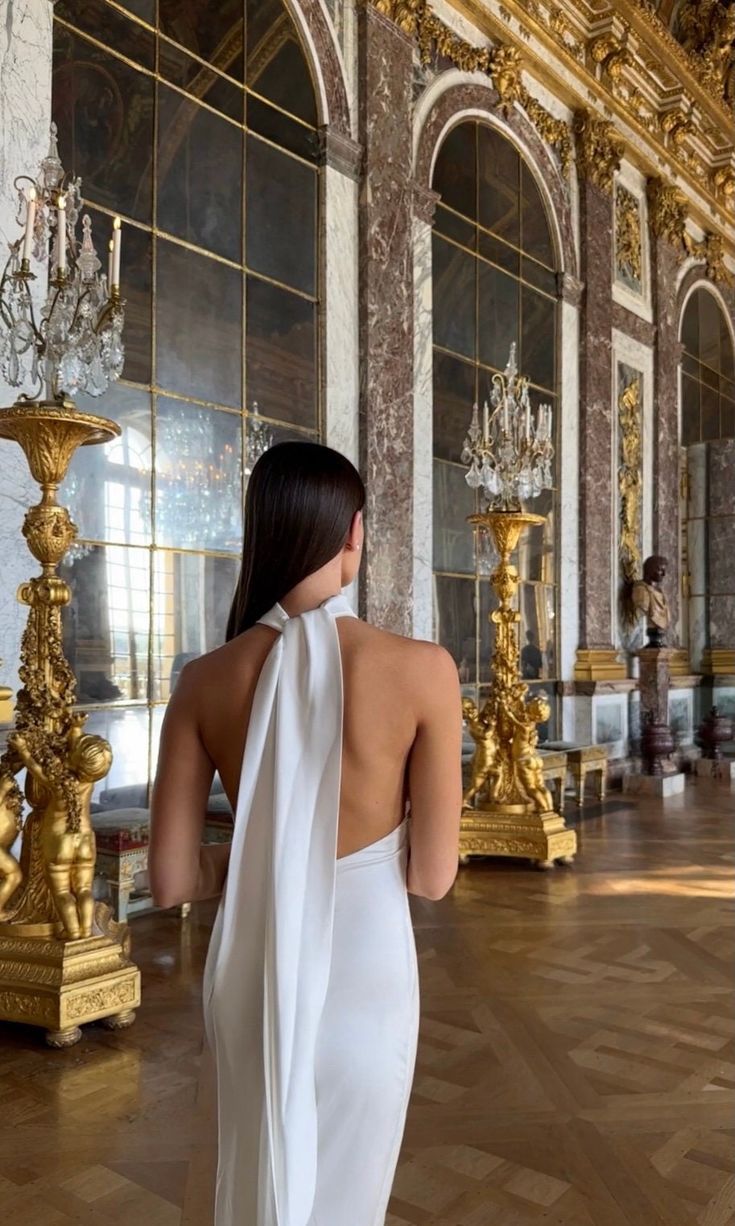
pixel 180 869
pixel 435 777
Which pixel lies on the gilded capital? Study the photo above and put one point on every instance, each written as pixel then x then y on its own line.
pixel 666 210
pixel 598 149
pixel 404 13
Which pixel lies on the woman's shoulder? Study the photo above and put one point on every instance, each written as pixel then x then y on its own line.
pixel 241 654
pixel 419 654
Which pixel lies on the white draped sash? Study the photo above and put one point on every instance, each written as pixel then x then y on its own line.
pixel 270 951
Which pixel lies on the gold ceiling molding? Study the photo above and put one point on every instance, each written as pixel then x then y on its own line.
pixel 599 149
pixel 503 64
pixel 707 42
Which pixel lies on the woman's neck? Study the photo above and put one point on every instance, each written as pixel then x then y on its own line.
pixel 313 590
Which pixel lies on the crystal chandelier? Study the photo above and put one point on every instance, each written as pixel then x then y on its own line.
pixel 510 456
pixel 259 437
pixel 75 344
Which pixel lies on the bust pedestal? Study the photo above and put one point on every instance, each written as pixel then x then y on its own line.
pixel 659 776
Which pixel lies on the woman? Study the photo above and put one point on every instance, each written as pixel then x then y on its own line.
pixel 323 730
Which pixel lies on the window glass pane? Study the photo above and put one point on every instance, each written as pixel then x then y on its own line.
pixel 191 602
pixel 455 622
pixel 276 67
pixel 108 26
pixel 454 298
pixel 199 326
pixel 214 32
pixel 498 252
pixel 199 175
pixel 126 786
pixel 539 276
pixel 690 427
pixel 281 354
pixel 727 361
pixel 709 329
pixel 452 226
pixel 727 419
pixel 498 322
pixel 177 66
pixel 455 172
pixel 535 560
pixel 538 338
pixel 104 112
pixel 106 626
pixel 498 171
pixel 535 234
pixel 108 488
pixel 282 130
pixel 453 536
pixel 198 477
pixel 537 631
pixel 710 413
pixel 281 216
pixel 454 395
pixel 145 9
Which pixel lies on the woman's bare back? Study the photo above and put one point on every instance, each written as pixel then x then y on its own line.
pixel 386 679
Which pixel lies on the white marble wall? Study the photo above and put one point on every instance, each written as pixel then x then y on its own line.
pixel 25 102
pixel 423 586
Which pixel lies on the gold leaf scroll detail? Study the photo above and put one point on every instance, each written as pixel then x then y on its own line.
pixel 628 245
pixel 598 149
pixel 630 478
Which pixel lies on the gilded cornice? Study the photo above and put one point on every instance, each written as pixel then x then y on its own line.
pixel 667 215
pixel 622 62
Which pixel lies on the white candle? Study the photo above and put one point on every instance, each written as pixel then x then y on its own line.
pixel 116 244
pixel 109 265
pixel 528 421
pixel 61 235
pixel 485 420
pixel 30 223
pixel 548 421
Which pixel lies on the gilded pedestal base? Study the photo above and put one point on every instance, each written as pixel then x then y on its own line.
pixel 513 830
pixel 59 984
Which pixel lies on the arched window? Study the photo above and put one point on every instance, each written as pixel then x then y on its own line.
pixel 494 282
pixel 707 371
pixel 197 123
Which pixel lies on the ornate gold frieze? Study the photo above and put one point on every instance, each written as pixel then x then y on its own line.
pixel 723 184
pixel 503 64
pixel 667 210
pixel 611 54
pixel 628 244
pixel 598 149
pixel 706 30
pixel 630 472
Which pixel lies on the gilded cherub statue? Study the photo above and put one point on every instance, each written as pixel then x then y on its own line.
pixel 11 804
pixel 527 763
pixel 67 838
pixel 649 600
pixel 483 769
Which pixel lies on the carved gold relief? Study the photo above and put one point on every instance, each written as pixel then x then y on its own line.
pixel 667 210
pixel 723 184
pixel 706 29
pixel 628 245
pixel 711 249
pixel 505 69
pixel 598 149
pixel 611 55
pixel 630 472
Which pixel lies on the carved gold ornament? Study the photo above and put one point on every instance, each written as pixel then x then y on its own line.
pixel 611 55
pixel 598 149
pixel 711 249
pixel 628 241
pixel 517 815
pixel 706 29
pixel 667 210
pixel 630 478
pixel 46 896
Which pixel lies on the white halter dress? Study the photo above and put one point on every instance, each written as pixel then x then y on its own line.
pixel 311 994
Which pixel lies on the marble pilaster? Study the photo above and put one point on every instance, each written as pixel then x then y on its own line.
pixel 720 552
pixel 423 585
pixel 596 435
pixel 25 90
pixel 385 64
pixel 664 265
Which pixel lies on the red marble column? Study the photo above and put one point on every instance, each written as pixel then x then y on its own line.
pixel 596 656
pixel 385 66
pixel 664 262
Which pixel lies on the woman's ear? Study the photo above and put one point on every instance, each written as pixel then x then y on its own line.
pixel 356 534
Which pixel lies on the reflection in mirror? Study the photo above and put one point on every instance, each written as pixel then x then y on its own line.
pixel 106 625
pixel 454 618
pixel 281 353
pixel 128 731
pixel 191 600
pixel 453 537
pixel 108 488
pixel 198 476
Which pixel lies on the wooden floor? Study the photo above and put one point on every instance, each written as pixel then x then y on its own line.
pixel 576 1063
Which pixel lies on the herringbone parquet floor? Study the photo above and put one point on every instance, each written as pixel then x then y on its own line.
pixel 576 1063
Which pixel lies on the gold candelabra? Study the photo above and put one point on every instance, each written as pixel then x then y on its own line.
pixel 63 959
pixel 510 458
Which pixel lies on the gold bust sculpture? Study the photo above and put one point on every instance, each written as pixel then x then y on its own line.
pixel 649 600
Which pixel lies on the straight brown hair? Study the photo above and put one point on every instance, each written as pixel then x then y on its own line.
pixel 299 505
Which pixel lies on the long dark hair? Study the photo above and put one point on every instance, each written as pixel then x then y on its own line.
pixel 300 502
